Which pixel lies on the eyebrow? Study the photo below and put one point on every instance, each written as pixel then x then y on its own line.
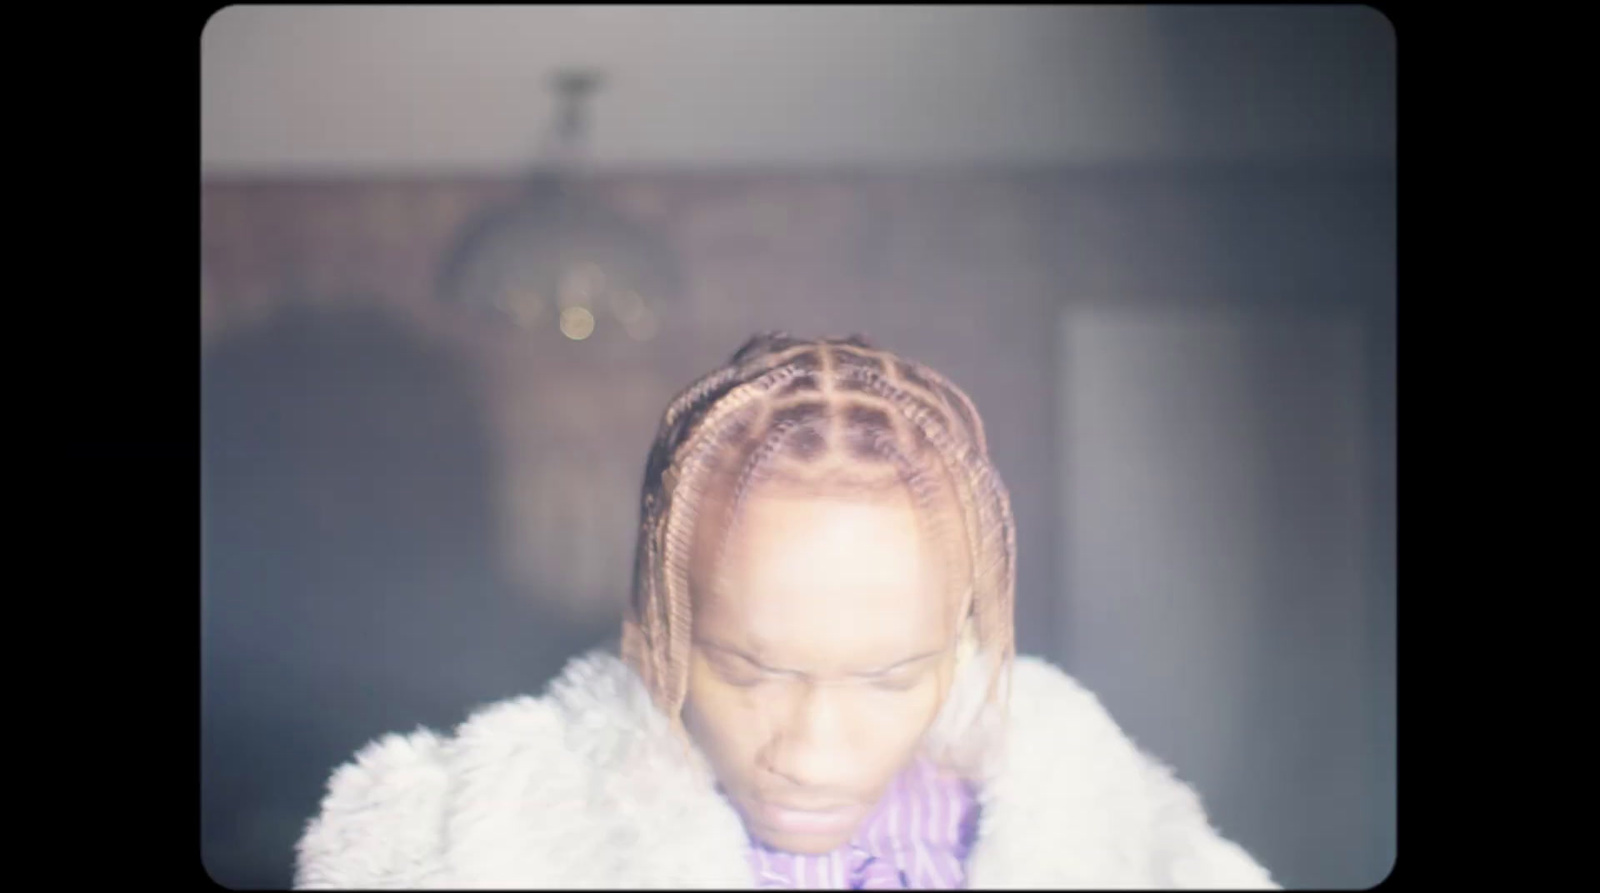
pixel 752 659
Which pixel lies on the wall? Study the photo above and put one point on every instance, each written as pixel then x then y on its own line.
pixel 395 89
pixel 1227 441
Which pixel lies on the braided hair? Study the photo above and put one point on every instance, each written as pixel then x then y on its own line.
pixel 823 412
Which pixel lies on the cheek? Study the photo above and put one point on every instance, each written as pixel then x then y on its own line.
pixel 892 722
pixel 725 722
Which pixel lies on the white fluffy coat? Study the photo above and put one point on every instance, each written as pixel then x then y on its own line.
pixel 586 787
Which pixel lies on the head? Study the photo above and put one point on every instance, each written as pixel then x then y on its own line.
pixel 825 546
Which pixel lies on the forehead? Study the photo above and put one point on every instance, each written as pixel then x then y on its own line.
pixel 825 582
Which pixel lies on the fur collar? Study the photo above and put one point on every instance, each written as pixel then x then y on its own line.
pixel 585 787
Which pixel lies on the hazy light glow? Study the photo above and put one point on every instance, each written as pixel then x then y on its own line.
pixel 577 323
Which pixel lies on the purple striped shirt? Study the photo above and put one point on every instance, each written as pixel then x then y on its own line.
pixel 918 837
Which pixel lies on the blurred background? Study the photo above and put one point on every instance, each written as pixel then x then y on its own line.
pixel 455 261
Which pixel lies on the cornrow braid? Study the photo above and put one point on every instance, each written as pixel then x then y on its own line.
pixel 782 406
pixel 753 467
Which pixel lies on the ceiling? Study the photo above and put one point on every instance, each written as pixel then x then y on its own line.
pixel 384 89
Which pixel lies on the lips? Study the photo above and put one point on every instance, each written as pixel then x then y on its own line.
pixel 797 820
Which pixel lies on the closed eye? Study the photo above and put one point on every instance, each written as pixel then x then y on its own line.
pixel 739 671
pixel 736 675
pixel 895 683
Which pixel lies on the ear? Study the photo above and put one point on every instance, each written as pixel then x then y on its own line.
pixel 967 638
pixel 964 734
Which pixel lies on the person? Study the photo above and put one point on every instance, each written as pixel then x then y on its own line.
pixel 815 685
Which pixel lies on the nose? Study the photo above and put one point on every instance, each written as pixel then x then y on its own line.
pixel 809 746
